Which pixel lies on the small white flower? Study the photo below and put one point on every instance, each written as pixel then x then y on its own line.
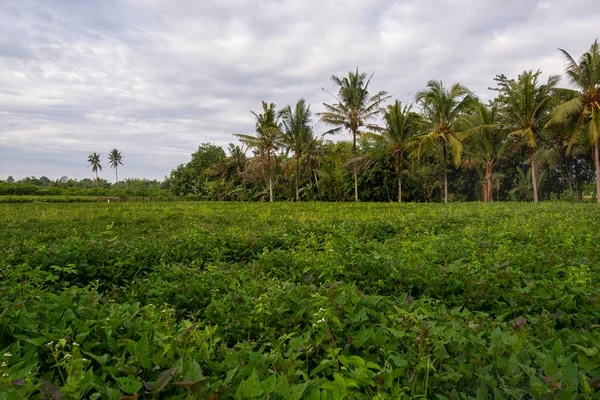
pixel 4 364
pixel 7 355
pixel 49 344
pixel 75 344
pixel 4 374
pixel 107 318
pixel 84 359
pixel 163 311
pixel 67 356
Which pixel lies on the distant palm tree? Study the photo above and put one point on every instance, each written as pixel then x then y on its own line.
pixel 527 104
pixel 584 105
pixel 94 160
pixel 267 139
pixel 115 159
pixel 355 106
pixel 442 109
pixel 297 134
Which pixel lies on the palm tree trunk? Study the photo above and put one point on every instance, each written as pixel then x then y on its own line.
pixel 117 174
pixel 445 175
pixel 297 176
pixel 488 182
pixel 97 182
pixel 566 169
pixel 270 177
pixel 355 166
pixel 597 163
pixel 533 178
pixel 399 178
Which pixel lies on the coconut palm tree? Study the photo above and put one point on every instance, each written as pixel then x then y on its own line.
pixel 354 108
pixel 297 134
pixel 401 126
pixel 485 144
pixel 526 104
pixel 442 109
pixel 94 160
pixel 115 159
pixel 267 139
pixel 584 103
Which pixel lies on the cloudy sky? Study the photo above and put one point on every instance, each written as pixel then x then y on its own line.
pixel 155 78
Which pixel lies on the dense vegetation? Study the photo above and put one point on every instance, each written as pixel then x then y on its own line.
pixel 290 301
pixel 532 141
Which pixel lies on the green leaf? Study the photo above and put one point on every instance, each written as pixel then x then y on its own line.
pixel 192 371
pixel 587 351
pixel 128 384
pixel 293 392
pixel 250 388
pixel 100 359
pixel 268 385
pixel 571 375
pixel 142 350
pixel 33 341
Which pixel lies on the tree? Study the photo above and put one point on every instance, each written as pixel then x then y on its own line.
pixel 527 105
pixel 191 177
pixel 401 126
pixel 94 160
pixel 115 159
pixel 442 109
pixel 584 104
pixel 267 139
pixel 297 134
pixel 355 106
pixel 485 144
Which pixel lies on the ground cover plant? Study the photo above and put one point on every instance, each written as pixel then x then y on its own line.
pixel 291 301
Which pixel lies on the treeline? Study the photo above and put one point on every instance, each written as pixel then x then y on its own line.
pixel 533 141
pixel 43 186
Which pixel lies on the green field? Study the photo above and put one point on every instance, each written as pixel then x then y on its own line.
pixel 299 301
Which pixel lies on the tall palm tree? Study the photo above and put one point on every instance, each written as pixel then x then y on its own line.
pixel 355 106
pixel 94 160
pixel 527 105
pixel 297 134
pixel 267 139
pixel 442 109
pixel 584 105
pixel 485 143
pixel 401 126
pixel 115 159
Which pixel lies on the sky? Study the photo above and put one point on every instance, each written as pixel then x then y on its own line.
pixel 156 78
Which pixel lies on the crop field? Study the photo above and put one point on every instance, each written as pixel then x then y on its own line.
pixel 299 301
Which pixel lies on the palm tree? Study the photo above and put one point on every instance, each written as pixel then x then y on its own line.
pixel 584 105
pixel 115 159
pixel 400 128
pixel 527 105
pixel 267 139
pixel 94 160
pixel 442 109
pixel 354 107
pixel 297 134
pixel 485 144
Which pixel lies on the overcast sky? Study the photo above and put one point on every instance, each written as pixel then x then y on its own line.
pixel 155 78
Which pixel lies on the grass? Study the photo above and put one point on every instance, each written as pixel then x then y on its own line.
pixel 236 300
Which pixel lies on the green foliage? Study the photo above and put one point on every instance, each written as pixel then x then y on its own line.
pixel 191 178
pixel 289 301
